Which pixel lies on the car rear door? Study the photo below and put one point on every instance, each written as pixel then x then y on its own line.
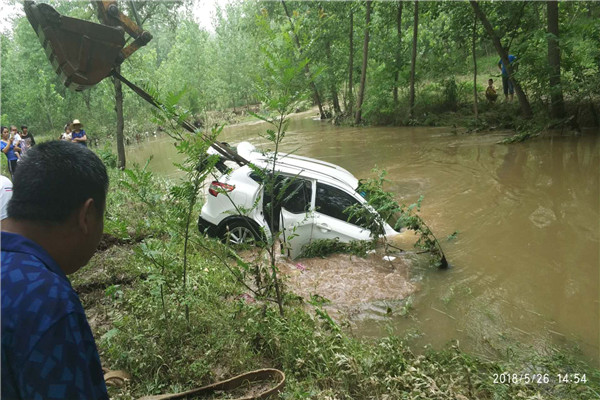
pixel 329 218
pixel 297 218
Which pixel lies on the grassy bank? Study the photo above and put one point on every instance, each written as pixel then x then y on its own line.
pixel 136 302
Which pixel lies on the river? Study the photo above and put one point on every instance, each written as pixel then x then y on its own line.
pixel 525 261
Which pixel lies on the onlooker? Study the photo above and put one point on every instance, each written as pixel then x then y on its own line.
pixel 54 224
pixel 507 85
pixel 66 135
pixel 77 133
pixel 27 140
pixel 16 140
pixel 9 149
pixel 490 92
pixel 5 195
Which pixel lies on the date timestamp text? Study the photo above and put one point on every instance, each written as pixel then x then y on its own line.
pixel 539 379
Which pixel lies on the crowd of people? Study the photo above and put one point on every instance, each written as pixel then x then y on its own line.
pixel 15 144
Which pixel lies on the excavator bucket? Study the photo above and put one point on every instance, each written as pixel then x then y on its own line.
pixel 81 52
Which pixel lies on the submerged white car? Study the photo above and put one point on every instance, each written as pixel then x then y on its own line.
pixel 312 204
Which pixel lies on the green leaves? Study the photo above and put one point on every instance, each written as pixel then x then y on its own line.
pixel 405 216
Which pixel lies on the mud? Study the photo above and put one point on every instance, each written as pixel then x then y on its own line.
pixel 354 287
pixel 107 241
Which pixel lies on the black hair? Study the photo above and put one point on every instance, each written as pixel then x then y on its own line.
pixel 2 128
pixel 54 179
pixel 24 127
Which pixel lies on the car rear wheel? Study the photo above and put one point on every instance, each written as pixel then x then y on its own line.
pixel 241 232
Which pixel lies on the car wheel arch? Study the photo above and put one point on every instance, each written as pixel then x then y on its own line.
pixel 222 228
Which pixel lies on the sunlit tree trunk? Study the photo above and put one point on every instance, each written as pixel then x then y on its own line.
pixel 398 51
pixel 413 61
pixel 351 63
pixel 557 107
pixel 363 75
pixel 524 103
pixel 475 97
pixel 120 120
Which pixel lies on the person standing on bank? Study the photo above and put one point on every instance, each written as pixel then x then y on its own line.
pixel 78 134
pixel 8 148
pixel 55 222
pixel 507 84
pixel 27 140
pixel 16 140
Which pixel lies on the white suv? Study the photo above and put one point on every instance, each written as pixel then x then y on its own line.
pixel 238 208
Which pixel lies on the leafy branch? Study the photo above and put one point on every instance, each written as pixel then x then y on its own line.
pixel 404 216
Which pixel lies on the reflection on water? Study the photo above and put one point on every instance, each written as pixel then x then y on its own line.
pixel 525 263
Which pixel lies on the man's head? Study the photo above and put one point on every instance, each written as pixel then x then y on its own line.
pixel 62 186
pixel 490 82
pixel 13 129
pixel 24 129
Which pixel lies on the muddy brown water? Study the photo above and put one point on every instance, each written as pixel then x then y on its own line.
pixel 525 260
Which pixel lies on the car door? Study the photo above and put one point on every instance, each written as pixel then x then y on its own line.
pixel 329 218
pixel 297 216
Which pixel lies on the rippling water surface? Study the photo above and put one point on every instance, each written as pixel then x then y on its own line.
pixel 525 261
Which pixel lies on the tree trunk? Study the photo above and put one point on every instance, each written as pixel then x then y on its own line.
pixel 363 75
pixel 413 61
pixel 475 97
pixel 316 96
pixel 524 103
pixel 557 108
pixel 398 51
pixel 120 121
pixel 351 63
pixel 334 94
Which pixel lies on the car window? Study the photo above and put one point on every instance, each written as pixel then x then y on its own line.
pixel 291 193
pixel 297 196
pixel 333 201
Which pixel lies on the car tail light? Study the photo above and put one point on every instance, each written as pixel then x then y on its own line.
pixel 218 187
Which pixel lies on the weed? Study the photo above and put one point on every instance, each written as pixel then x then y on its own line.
pixel 325 247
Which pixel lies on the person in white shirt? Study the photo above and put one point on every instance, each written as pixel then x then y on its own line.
pixel 6 190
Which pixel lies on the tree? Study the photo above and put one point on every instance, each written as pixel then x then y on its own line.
pixel 475 98
pixel 363 76
pixel 413 62
pixel 313 86
pixel 398 52
pixel 351 62
pixel 557 108
pixel 120 121
pixel 503 53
